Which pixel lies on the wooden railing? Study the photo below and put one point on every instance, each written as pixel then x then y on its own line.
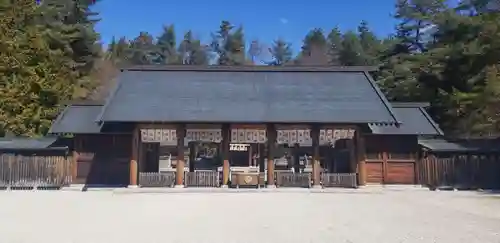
pixel 34 172
pixel 347 180
pixel 460 172
pixel 202 179
pixel 157 179
pixel 291 179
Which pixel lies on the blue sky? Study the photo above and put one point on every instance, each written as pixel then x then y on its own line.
pixel 262 20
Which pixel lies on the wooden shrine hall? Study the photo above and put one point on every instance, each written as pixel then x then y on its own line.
pixel 236 126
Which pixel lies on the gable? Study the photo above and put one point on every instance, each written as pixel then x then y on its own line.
pixel 415 121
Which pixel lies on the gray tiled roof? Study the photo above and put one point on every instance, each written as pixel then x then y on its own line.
pixel 247 96
pixel 461 146
pixel 77 119
pixel 415 121
pixel 21 143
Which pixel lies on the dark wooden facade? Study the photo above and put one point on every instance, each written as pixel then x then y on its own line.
pixel 102 159
pixel 392 159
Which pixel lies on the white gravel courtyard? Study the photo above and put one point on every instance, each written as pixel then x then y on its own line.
pixel 274 217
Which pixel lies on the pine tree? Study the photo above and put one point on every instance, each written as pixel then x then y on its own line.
pixel 314 49
pixel 167 47
pixel 370 44
pixel 34 78
pixel 117 51
pixel 143 50
pixel 352 51
pixel 191 50
pixel 334 41
pixel 229 45
pixel 281 52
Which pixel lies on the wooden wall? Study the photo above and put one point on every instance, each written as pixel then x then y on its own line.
pixel 391 159
pixel 102 159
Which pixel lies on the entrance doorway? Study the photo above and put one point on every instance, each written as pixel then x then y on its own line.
pixel 151 154
pixel 240 155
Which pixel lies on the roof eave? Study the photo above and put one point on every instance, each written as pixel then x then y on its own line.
pixel 410 104
pixel 432 122
pixel 58 120
pixel 384 100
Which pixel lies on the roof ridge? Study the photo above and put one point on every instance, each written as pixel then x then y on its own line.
pixel 248 68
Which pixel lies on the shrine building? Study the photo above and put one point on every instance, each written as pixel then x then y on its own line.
pixel 218 126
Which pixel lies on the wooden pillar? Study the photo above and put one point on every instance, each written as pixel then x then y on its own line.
pixel 192 156
pixel 353 158
pixel 361 149
pixel 271 140
pixel 226 140
pixel 74 166
pixel 385 157
pixel 261 160
pixel 179 175
pixel 296 158
pixel 316 174
pixel 134 157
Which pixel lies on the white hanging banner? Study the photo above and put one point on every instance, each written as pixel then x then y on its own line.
pixel 204 135
pixel 330 136
pixel 248 136
pixel 303 136
pixel 293 136
pixel 238 147
pixel 152 135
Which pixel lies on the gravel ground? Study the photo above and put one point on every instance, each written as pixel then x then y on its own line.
pixel 288 217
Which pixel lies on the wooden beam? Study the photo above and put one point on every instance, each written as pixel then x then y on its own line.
pixel 226 140
pixel 316 174
pixel 179 175
pixel 271 140
pixel 134 157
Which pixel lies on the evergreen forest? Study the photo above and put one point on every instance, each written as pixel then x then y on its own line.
pixel 50 54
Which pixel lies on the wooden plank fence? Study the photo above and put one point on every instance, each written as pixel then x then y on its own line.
pixel 157 179
pixel 460 172
pixel 346 180
pixel 202 179
pixel 34 172
pixel 291 179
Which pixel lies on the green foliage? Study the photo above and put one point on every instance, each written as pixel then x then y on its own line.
pixel 447 56
pixel 192 51
pixel 229 44
pixel 34 77
pixel 281 52
pixel 167 47
pixel 334 42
